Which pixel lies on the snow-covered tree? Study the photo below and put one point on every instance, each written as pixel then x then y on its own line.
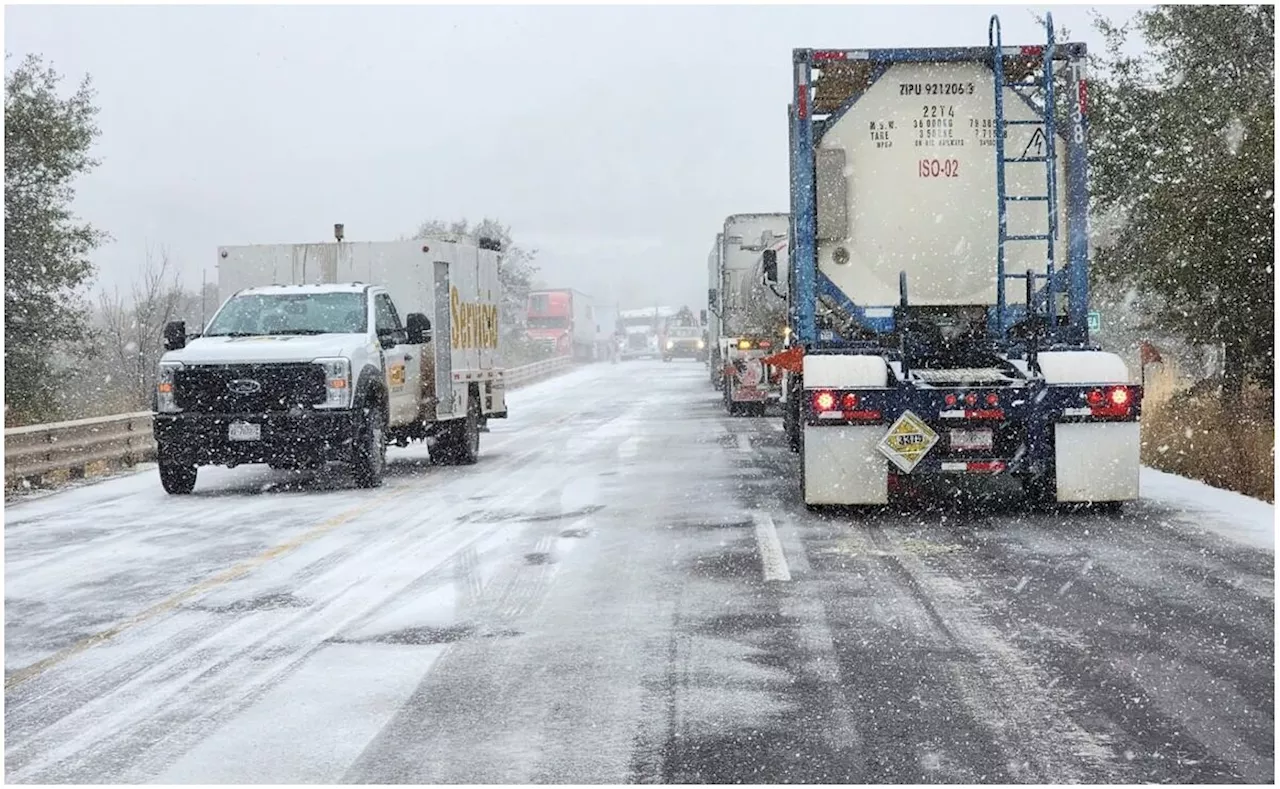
pixel 47 139
pixel 1183 168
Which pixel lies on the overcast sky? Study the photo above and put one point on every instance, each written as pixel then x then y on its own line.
pixel 614 139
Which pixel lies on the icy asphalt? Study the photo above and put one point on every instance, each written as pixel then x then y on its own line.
pixel 627 589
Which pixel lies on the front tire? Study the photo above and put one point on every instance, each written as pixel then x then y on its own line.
pixel 371 452
pixel 178 479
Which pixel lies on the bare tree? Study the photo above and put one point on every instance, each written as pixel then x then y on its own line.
pixel 132 331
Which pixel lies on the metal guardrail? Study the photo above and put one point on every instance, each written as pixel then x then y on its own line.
pixel 33 451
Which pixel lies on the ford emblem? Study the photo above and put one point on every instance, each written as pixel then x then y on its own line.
pixel 245 386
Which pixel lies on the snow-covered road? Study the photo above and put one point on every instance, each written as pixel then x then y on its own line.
pixel 625 588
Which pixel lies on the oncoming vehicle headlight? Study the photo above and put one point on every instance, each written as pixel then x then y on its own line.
pixel 166 394
pixel 671 344
pixel 337 382
pixel 701 345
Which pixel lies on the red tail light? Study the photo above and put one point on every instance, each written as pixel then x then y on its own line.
pixel 971 399
pixel 951 399
pixel 824 401
pixel 993 399
pixel 1114 401
pixel 764 344
pixel 849 402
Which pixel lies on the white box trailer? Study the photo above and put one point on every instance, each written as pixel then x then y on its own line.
pixel 455 285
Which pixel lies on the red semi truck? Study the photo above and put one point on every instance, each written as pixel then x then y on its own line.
pixel 562 322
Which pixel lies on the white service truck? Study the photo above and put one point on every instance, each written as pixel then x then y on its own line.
pixel 925 182
pixel 747 333
pixel 330 351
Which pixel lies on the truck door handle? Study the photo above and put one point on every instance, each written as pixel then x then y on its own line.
pixel 408 357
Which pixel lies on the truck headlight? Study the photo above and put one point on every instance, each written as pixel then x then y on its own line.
pixel 701 345
pixel 166 392
pixel 337 382
pixel 671 344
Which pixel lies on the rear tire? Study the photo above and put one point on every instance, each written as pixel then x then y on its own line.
pixel 459 443
pixel 371 452
pixel 178 479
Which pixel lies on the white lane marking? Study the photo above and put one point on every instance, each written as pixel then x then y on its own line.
pixel 744 443
pixel 772 558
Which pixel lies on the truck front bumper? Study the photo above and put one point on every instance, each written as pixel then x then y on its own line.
pixel 685 351
pixel 288 439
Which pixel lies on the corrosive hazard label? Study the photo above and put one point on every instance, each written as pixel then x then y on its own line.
pixel 909 439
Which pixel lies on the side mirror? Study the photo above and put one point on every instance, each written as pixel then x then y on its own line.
pixel 175 335
pixel 419 327
pixel 712 295
pixel 771 266
pixel 703 317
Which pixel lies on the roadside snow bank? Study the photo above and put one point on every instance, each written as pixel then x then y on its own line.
pixel 1230 514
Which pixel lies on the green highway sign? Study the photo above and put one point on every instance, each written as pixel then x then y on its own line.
pixel 1095 320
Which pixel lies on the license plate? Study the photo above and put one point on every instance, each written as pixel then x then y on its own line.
pixel 244 431
pixel 971 439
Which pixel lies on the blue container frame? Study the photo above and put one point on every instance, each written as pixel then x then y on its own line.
pixel 804 133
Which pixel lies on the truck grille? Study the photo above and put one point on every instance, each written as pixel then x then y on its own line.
pixel 248 388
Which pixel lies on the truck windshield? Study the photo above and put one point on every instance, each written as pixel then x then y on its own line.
pixel 302 313
pixel 549 322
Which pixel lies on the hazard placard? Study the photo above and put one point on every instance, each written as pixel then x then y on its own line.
pixel 909 439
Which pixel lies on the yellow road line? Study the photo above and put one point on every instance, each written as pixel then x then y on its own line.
pixel 212 582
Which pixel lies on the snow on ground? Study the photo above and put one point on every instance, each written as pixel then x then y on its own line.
pixel 1224 512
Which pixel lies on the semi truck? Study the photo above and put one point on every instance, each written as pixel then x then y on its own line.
pixel 683 337
pixel 744 338
pixel 561 322
pixel 715 369
pixel 939 290
pixel 328 352
pixel 640 329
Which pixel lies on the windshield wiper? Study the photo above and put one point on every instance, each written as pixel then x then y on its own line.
pixel 233 334
pixel 303 331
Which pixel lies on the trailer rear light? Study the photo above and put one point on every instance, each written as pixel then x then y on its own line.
pixel 849 402
pixel 951 399
pixel 824 401
pixel 1115 401
pixel 765 344
pixel 993 399
pixel 744 345
pixel 971 399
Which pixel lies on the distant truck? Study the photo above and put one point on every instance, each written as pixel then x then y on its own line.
pixel 715 364
pixel 746 333
pixel 608 330
pixel 641 328
pixel 561 323
pixel 939 278
pixel 328 352
pixel 683 337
